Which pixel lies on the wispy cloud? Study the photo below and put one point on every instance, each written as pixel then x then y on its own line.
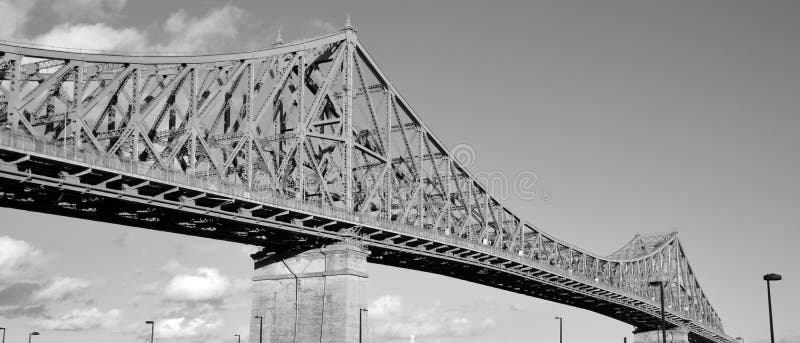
pixel 61 288
pixel 87 10
pixel 202 33
pixel 81 319
pixel 322 25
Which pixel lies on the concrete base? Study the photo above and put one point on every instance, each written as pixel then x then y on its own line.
pixel 676 335
pixel 314 296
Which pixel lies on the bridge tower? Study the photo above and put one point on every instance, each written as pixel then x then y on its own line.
pixel 314 296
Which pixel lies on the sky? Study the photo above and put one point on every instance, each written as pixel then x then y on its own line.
pixel 634 117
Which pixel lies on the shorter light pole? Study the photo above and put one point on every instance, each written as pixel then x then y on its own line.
pixel 260 328
pixel 4 334
pixel 768 278
pixel 152 329
pixel 32 334
pixel 239 337
pixel 560 329
pixel 360 327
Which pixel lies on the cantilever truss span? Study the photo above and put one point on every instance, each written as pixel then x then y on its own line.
pixel 291 147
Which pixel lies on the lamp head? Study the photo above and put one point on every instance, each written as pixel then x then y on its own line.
pixel 656 283
pixel 35 333
pixel 149 322
pixel 772 277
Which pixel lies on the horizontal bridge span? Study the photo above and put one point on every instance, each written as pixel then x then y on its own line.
pixel 290 148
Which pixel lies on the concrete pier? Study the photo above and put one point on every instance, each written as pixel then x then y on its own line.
pixel 675 335
pixel 314 296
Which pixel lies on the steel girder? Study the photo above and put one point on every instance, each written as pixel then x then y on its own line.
pixel 317 122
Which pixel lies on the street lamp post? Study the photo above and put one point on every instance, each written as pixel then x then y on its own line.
pixel 260 329
pixel 32 334
pixel 768 278
pixel 560 329
pixel 660 285
pixel 152 329
pixel 4 334
pixel 360 328
pixel 239 337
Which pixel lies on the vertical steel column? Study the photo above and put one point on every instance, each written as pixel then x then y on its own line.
pixel 15 91
pixel 301 151
pixel 449 190
pixel 348 120
pixel 388 181
pixel 663 316
pixel 192 112
pixel 135 114
pixel 420 185
pixel 249 123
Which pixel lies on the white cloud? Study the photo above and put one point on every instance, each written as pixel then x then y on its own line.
pixel 194 34
pixel 60 288
pixel 385 306
pixel 17 257
pixel 87 9
pixel 81 319
pixel 206 284
pixel 183 328
pixel 391 320
pixel 94 36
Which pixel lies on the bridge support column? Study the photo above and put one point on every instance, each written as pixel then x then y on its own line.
pixel 675 335
pixel 315 296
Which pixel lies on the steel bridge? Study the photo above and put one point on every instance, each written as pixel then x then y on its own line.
pixel 289 148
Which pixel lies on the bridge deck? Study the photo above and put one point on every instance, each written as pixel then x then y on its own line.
pixel 41 176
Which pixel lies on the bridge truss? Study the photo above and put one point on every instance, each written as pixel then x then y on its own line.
pixel 291 147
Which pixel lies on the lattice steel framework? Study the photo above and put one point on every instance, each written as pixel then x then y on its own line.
pixel 318 122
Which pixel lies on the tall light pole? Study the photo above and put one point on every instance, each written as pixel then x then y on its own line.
pixel 152 329
pixel 360 328
pixel 4 334
pixel 239 337
pixel 660 285
pixel 768 278
pixel 260 329
pixel 560 329
pixel 32 334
